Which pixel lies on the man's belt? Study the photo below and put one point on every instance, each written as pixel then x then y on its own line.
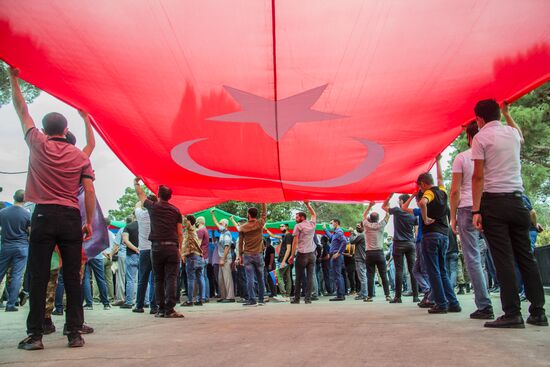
pixel 493 195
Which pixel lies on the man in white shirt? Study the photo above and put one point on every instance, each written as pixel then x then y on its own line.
pixel 498 210
pixel 461 217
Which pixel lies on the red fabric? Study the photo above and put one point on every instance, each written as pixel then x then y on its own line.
pixel 368 92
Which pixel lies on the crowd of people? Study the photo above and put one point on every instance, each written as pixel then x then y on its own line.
pixel 480 233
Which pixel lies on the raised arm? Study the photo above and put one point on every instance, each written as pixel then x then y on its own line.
pixel 214 218
pixel 510 121
pixel 405 206
pixel 19 102
pixel 271 234
pixel 90 139
pixel 386 204
pixel 439 171
pixel 366 212
pixel 264 214
pixel 235 224
pixel 312 213
pixel 139 190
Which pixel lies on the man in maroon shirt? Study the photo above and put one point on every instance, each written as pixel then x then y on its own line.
pixel 56 171
pixel 202 232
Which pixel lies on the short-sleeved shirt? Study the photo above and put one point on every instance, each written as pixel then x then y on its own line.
pixel 403 225
pixel 463 164
pixel 285 242
pixel 374 234
pixel 360 246
pixel 133 236
pixel 165 218
pixel 15 222
pixel 268 258
pixel 438 210
pixel 204 238
pixel 499 147
pixel 305 231
pixel 144 225
pixel 224 241
pixel 56 170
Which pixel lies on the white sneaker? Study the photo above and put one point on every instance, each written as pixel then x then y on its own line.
pixel 279 299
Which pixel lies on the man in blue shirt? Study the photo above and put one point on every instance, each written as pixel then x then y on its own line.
pixel 15 222
pixel 338 244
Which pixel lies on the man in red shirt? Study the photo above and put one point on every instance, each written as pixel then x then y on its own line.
pixel 56 171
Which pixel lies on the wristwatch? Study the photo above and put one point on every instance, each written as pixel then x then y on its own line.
pixel 474 212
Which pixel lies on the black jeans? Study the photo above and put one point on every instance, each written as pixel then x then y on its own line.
pixel 55 225
pixel 166 261
pixel 350 274
pixel 376 259
pixel 144 270
pixel 506 227
pixel 306 262
pixel 407 250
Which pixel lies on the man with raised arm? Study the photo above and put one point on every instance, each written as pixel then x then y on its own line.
pixel 251 246
pixel 225 276
pixel 56 171
pixel 498 210
pixel 304 231
pixel 166 239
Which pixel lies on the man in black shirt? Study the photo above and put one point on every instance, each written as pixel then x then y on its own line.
pixel 285 270
pixel 130 238
pixel 403 245
pixel 166 240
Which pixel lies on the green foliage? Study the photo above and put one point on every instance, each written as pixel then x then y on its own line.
pixel 30 92
pixel 126 204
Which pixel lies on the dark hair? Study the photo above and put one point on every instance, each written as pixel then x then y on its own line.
pixel 426 178
pixel 488 110
pixel 19 196
pixel 70 138
pixel 302 215
pixel 191 219
pixel 337 221
pixel 54 123
pixel 153 198
pixel 404 197
pixel 253 212
pixel 129 219
pixel 373 217
pixel 165 193
pixel 472 129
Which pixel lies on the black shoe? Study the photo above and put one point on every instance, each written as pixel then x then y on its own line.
pixel 198 303
pixel 338 299
pixel 23 297
pixel 138 310
pixel 106 307
pixel 153 311
pixel 506 322
pixel 232 300
pixel 485 314
pixel 48 326
pixel 126 306
pixel 307 301
pixel 315 298
pixel 57 312
pixel 295 301
pixel 11 309
pixel 436 309
pixel 75 341
pixel 454 308
pixel 359 298
pixel 460 290
pixel 368 299
pixel 396 300
pixel 31 343
pixel 540 320
pixel 85 329
pixel 207 300
pixel 187 304
pixel 220 300
pixel 250 304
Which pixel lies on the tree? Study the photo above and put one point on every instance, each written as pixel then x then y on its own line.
pixel 126 203
pixel 30 92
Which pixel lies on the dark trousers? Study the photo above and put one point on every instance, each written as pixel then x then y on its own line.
pixel 55 225
pixel 270 283
pixel 506 227
pixel 144 270
pixel 304 262
pixel 407 250
pixel 351 275
pixel 376 260
pixel 166 262
pixel 326 277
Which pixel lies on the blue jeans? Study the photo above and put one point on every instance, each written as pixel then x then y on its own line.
pixel 206 282
pixel 361 269
pixel 419 270
pixel 336 266
pixel 469 238
pixel 132 264
pixel 434 248
pixel 194 266
pixel 144 274
pixel 96 265
pixel 451 266
pixel 14 256
pixel 254 269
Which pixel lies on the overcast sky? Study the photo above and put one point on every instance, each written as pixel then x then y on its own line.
pixel 112 177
